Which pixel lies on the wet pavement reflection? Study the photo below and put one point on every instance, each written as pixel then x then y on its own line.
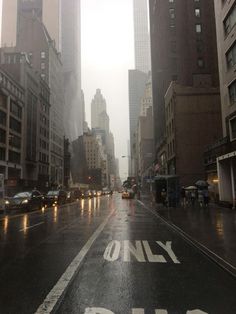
pixel 214 227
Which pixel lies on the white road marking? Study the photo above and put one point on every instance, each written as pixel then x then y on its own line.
pixel 137 311
pixel 169 250
pixel 152 257
pixel 112 251
pixel 30 227
pixel 97 310
pixel 196 312
pixel 101 310
pixel 136 251
pixel 59 289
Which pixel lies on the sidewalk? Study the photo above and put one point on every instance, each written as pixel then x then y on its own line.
pixel 214 227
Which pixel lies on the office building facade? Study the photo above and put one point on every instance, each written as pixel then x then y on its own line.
pixel 221 157
pixel 141 36
pixel 183 49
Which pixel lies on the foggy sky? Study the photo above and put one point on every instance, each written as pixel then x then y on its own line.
pixel 107 54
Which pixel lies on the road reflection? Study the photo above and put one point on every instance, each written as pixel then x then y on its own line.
pixel 25 224
pixel 5 225
pixel 219 225
pixel 55 214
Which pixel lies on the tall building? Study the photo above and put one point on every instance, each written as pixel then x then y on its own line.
pixel 35 127
pixel 12 101
pixel 221 157
pixel 34 39
pixel 9 23
pixel 137 81
pixel 98 105
pixel 138 76
pixel 48 11
pixel 183 49
pixel 71 59
pixel 141 36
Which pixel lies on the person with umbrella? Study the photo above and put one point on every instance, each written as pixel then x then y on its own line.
pixel 203 187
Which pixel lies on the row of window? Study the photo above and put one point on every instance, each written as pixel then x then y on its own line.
pixel 230 20
pixel 171 149
pixel 43 157
pixel 43 144
pixel 44 132
pixel 10 86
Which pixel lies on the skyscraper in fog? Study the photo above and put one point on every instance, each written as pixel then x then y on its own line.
pixel 62 21
pixel 48 11
pixel 98 106
pixel 71 59
pixel 138 76
pixel 141 36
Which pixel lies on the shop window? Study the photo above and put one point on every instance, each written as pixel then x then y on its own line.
pixel 233 128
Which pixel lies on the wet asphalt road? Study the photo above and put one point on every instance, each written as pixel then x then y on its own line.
pixel 135 265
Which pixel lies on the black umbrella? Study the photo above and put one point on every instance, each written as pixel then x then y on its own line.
pixel 202 184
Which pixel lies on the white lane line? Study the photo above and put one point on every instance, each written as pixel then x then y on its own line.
pixel 30 227
pixel 57 292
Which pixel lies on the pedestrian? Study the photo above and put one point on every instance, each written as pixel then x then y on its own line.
pixel 163 197
pixel 183 196
pixel 193 197
pixel 206 197
pixel 200 198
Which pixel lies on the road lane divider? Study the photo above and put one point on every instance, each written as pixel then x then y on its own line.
pixel 30 227
pixel 55 296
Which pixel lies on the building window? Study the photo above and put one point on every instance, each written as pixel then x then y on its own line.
pixel 173 47
pixel 14 157
pixel 230 20
pixel 43 76
pixel 200 63
pixel 231 56
pixel 43 54
pixel 2 153
pixel 15 109
pixel 172 13
pixel 197 12
pixel 42 66
pixel 2 118
pixel 232 93
pixel 171 1
pixel 15 125
pixel 2 136
pixel 232 123
pixel 198 28
pixel 200 46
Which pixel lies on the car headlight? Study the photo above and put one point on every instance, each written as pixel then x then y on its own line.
pixel 55 197
pixel 7 202
pixel 25 201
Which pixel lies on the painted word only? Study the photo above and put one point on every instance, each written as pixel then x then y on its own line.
pixel 99 310
pixel 140 251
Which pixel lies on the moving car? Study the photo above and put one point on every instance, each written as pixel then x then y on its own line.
pixel 56 197
pixel 128 193
pixel 29 200
pixel 88 194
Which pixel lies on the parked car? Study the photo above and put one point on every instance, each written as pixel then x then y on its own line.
pixel 94 192
pixel 128 193
pixel 88 194
pixel 99 193
pixel 55 197
pixel 29 200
